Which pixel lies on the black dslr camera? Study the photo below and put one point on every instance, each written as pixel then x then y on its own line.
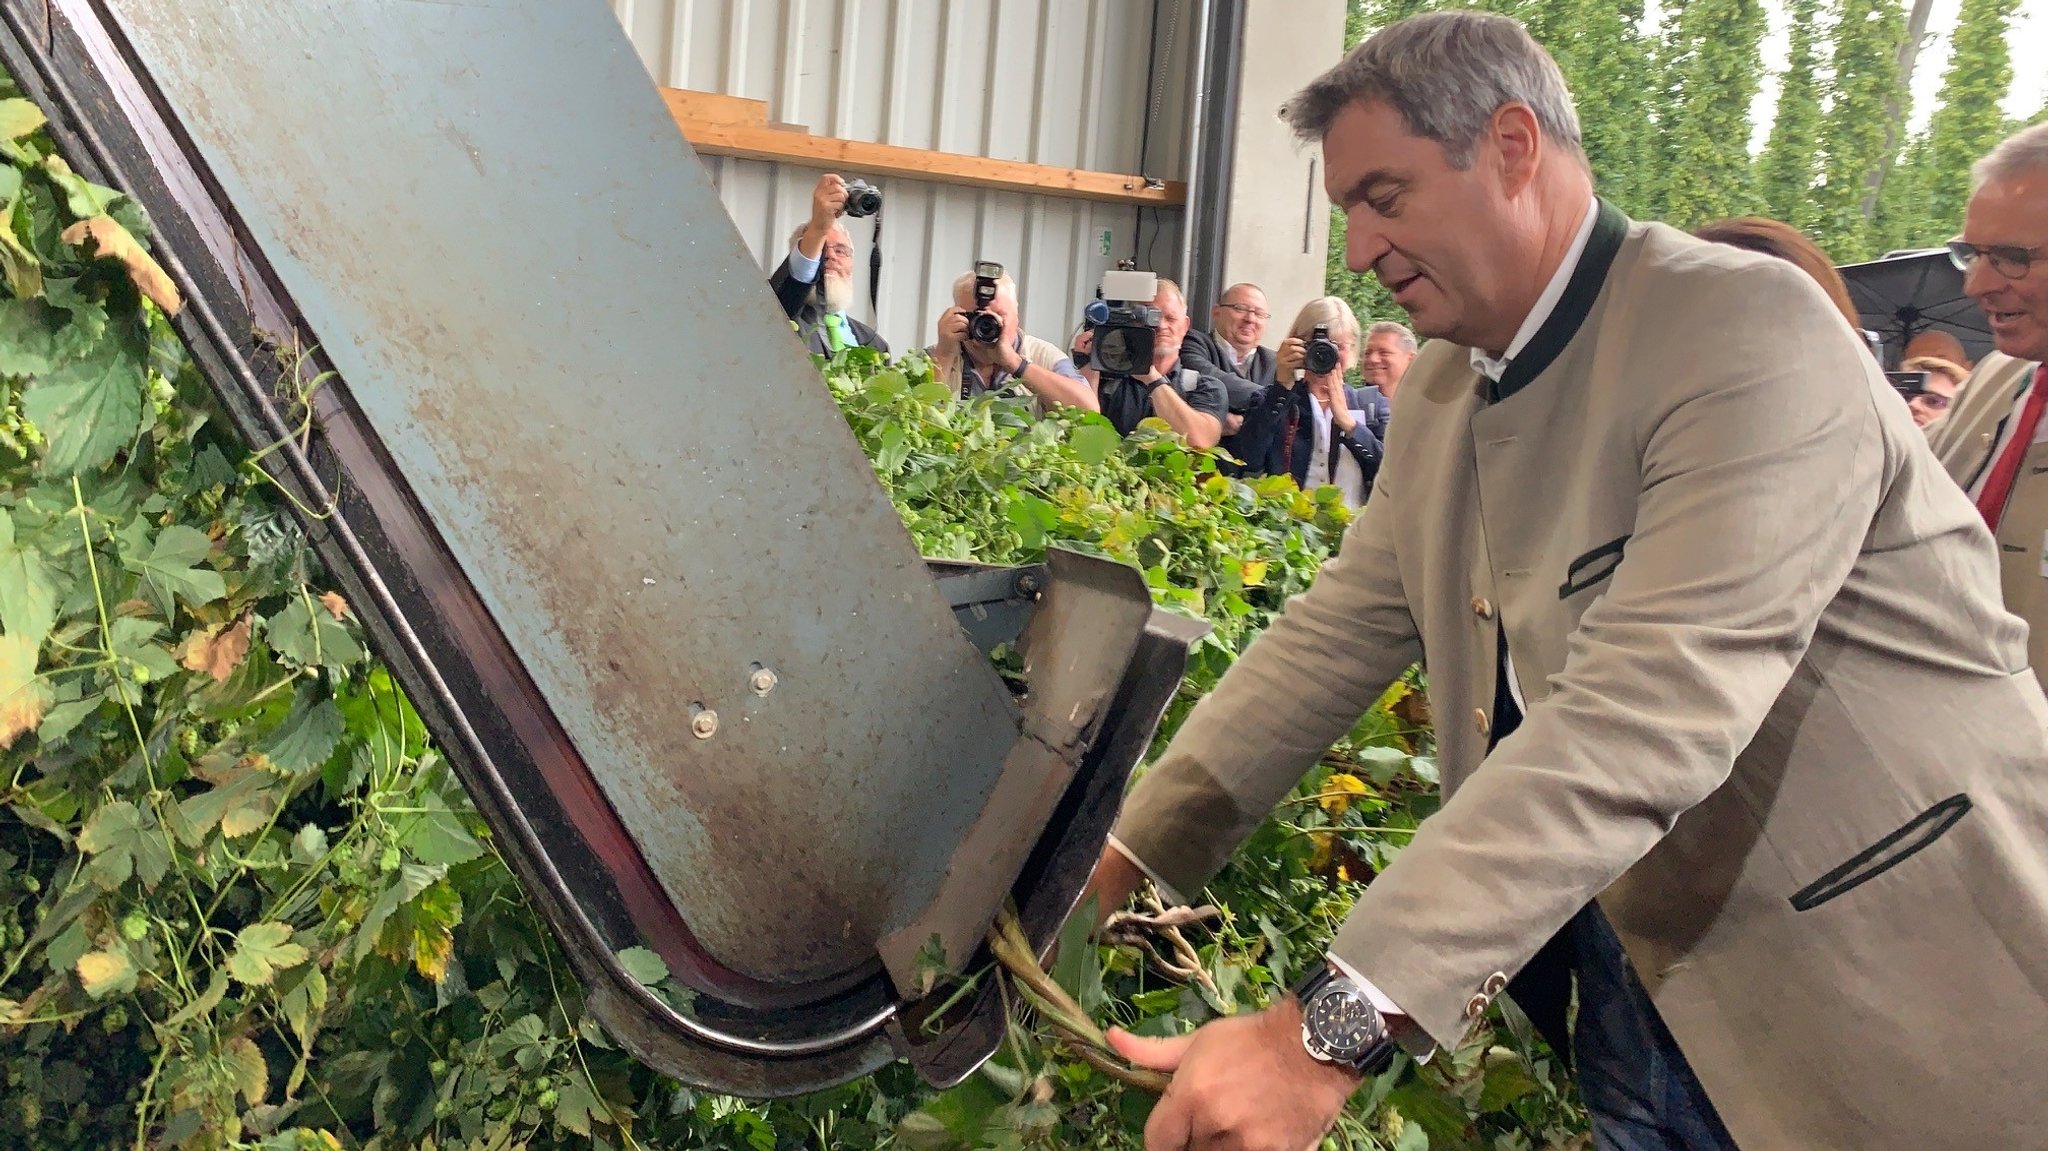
pixel 862 199
pixel 1124 324
pixel 1323 355
pixel 1908 384
pixel 984 326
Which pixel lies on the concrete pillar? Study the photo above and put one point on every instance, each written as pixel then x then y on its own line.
pixel 1278 230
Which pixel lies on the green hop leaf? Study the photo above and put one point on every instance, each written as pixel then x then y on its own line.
pixel 88 409
pixel 643 965
pixel 170 566
pixel 28 593
pixel 261 951
pixel 308 734
pixel 124 841
pixel 310 636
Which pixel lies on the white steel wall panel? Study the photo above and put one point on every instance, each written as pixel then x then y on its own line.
pixel 1056 82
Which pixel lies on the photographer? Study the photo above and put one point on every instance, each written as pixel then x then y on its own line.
pixel 1191 402
pixel 1317 430
pixel 971 367
pixel 814 283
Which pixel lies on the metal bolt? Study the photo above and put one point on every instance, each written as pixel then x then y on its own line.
pixel 1027 584
pixel 762 681
pixel 705 725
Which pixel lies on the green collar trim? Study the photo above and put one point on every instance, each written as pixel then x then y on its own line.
pixel 1610 228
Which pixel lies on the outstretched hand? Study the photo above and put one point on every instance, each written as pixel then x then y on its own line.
pixel 1244 1083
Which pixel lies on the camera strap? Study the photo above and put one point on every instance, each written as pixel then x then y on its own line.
pixel 875 269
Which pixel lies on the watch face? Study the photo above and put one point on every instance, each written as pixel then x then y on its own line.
pixel 1343 1022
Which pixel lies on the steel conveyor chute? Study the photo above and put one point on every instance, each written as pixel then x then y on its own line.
pixel 603 521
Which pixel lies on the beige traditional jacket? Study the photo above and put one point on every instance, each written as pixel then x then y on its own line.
pixel 1964 443
pixel 1778 720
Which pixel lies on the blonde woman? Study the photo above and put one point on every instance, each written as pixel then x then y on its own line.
pixel 1308 424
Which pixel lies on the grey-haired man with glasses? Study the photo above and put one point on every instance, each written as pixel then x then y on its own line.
pixel 1995 442
pixel 1230 350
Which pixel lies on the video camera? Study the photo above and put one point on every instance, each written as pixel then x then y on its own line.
pixel 862 198
pixel 1123 323
pixel 984 326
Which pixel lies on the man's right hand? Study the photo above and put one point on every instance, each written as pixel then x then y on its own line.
pixel 1289 359
pixel 952 332
pixel 828 200
pixel 1115 880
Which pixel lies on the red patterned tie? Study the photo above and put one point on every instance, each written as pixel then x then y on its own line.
pixel 1998 486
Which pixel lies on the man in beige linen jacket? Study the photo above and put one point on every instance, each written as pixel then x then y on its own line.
pixel 1717 656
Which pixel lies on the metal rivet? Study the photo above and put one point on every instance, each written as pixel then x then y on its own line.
pixel 762 681
pixel 1027 584
pixel 705 724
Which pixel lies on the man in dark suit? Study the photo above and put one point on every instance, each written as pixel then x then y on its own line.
pixel 814 283
pixel 1230 349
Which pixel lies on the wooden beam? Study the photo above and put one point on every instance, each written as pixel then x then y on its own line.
pixel 719 125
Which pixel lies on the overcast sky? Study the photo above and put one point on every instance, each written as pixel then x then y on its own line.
pixel 2029 37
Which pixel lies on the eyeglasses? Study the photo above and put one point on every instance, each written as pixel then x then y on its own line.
pixel 1933 401
pixel 843 251
pixel 2007 260
pixel 1248 312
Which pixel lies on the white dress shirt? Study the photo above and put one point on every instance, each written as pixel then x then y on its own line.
pixel 1492 369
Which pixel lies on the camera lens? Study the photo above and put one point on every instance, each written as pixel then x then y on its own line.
pixel 984 327
pixel 1322 356
pixel 862 199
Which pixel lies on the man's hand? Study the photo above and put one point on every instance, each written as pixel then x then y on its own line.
pixel 1001 354
pixel 1287 360
pixel 828 200
pixel 1243 1083
pixel 952 332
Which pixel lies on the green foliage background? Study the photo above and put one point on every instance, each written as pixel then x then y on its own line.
pixel 244 903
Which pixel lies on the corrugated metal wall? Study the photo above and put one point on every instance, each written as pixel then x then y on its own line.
pixel 1058 82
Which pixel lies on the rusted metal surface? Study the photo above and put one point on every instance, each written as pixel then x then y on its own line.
pixel 554 330
pixel 779 752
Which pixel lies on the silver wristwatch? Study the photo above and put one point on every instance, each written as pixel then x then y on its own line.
pixel 1339 1024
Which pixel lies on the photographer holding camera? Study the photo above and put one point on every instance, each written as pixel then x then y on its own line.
pixel 1138 372
pixel 981 348
pixel 1318 430
pixel 814 283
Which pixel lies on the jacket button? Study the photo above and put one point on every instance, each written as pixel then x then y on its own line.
pixel 1480 721
pixel 1475 1007
pixel 1482 607
pixel 1496 983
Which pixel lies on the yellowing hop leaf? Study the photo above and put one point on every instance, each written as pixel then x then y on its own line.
pixel 19 117
pixel 336 606
pixel 244 1061
pixel 23 697
pixel 1254 572
pixel 1338 791
pixel 104 973
pixel 261 951
pixel 108 240
pixel 218 650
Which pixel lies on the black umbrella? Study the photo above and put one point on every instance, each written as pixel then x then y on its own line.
pixel 1904 295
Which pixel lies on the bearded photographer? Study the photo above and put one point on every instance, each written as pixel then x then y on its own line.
pixel 1317 430
pixel 1191 402
pixel 982 348
pixel 814 283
